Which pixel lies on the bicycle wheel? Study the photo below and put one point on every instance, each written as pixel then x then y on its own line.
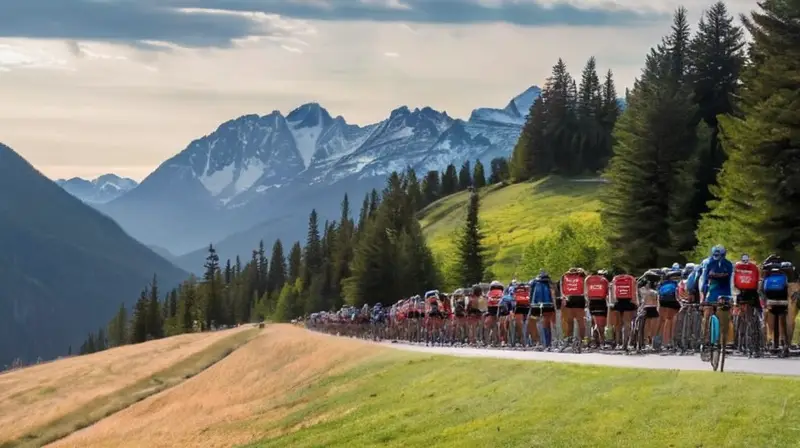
pixel 714 338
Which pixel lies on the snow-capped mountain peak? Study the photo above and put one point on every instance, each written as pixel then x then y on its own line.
pixel 103 189
pixel 514 114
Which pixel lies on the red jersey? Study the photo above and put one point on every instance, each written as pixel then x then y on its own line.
pixel 596 287
pixel 745 276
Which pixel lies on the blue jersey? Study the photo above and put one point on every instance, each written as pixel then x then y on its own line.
pixel 717 286
pixel 540 292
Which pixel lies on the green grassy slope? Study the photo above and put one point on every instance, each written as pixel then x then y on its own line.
pixel 418 400
pixel 512 217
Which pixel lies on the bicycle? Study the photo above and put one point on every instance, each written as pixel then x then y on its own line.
pixel 749 332
pixel 715 351
pixel 687 326
pixel 637 331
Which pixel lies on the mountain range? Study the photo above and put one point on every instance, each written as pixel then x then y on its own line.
pixel 64 267
pixel 100 190
pixel 256 177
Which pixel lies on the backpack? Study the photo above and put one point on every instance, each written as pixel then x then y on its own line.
pixel 776 281
pixel 572 284
pixel 522 295
pixel 624 287
pixel 745 276
pixel 668 290
pixel 596 287
pixel 541 291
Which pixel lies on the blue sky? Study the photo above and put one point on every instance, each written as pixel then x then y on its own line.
pixel 94 86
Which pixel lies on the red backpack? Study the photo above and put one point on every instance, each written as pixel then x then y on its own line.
pixel 596 287
pixel 572 283
pixel 624 287
pixel 522 295
pixel 745 276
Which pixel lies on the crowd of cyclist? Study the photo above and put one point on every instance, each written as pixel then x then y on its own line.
pixel 664 309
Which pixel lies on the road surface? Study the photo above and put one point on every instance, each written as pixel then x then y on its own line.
pixel 769 366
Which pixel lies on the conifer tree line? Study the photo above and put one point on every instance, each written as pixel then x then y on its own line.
pixel 569 127
pixel 668 148
pixel 380 255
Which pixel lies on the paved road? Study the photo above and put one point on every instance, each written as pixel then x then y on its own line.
pixel 769 366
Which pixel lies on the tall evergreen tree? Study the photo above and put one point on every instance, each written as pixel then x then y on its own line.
pixel 431 187
pixel 464 176
pixel 758 194
pixel 449 180
pixel 414 189
pixel 479 175
pixel 277 269
pixel 295 262
pixel 471 252
pixel 155 325
pixel 717 58
pixel 139 319
pixel 213 296
pixel 656 139
pixel 498 170
pixel 312 256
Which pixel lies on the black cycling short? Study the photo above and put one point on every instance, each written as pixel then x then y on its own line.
pixel 414 314
pixel 598 307
pixel 670 304
pixel 749 297
pixel 651 312
pixel 576 302
pixel 778 309
pixel 460 313
pixel 624 305
pixel 472 312
pixel 436 314
pixel 521 310
pixel 493 311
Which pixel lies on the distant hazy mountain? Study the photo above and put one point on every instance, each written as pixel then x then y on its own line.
pixel 255 170
pixel 64 267
pixel 98 191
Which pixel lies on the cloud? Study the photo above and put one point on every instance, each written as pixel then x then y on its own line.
pixel 220 23
pixel 391 54
pixel 141 22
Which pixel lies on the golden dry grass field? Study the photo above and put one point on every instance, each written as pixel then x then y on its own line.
pixel 37 395
pixel 235 401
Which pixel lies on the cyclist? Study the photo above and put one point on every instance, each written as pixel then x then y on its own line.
pixel 624 305
pixel 596 288
pixel 543 300
pixel 574 302
pixel 715 282
pixel 476 305
pixel 648 291
pixel 746 276
pixel 775 286
pixel 668 304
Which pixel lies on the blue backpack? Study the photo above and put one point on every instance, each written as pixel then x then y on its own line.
pixel 668 290
pixel 776 282
pixel 541 291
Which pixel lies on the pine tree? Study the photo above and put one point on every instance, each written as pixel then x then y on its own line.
pixel 607 118
pixel 414 190
pixel 431 187
pixel 655 139
pixel 717 58
pixel 560 97
pixel 312 255
pixel 277 269
pixel 449 180
pixel 374 202
pixel 213 296
pixel 154 323
pixel 478 175
pixel 471 252
pixel 342 254
pixel 295 262
pixel 139 319
pixel 498 170
pixel 464 177
pixel 757 194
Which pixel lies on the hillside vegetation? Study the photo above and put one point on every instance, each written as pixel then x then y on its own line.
pixel 50 400
pixel 512 218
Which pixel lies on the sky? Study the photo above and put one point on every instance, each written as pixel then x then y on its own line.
pixel 89 87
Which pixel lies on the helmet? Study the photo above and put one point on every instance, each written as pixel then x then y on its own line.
pixel 514 282
pixel 477 290
pixel 495 283
pixel 676 266
pixel 718 249
pixel 745 258
pixel 378 305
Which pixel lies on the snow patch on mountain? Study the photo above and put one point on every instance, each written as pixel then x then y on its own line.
pixel 101 190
